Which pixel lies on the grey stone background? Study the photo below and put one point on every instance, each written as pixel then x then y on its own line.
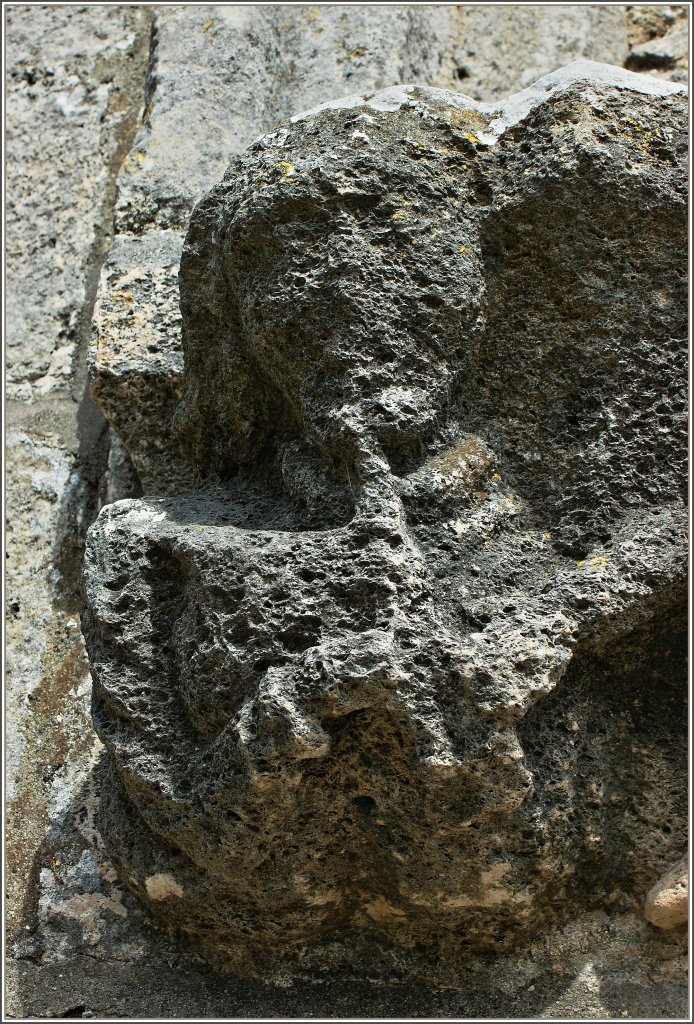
pixel 118 120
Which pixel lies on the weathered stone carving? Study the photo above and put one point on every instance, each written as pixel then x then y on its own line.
pixel 254 67
pixel 403 675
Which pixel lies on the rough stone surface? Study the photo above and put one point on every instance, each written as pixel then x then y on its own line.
pixel 667 903
pixel 503 49
pixel 600 967
pixel 373 691
pixel 67 135
pixel 73 93
pixel 254 67
pixel 82 938
pixel 658 40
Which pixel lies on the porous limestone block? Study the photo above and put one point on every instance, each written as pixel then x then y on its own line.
pixel 135 362
pixel 255 66
pixel 402 678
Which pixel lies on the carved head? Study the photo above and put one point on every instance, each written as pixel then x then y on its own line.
pixel 434 369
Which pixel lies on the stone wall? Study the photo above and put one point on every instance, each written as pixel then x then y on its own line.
pixel 119 119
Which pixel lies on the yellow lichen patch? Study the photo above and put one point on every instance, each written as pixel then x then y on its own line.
pixel 134 161
pixel 464 249
pixel 122 296
pixel 399 215
pixel 637 134
pixel 422 152
pixel 469 119
pixel 595 564
pixel 287 170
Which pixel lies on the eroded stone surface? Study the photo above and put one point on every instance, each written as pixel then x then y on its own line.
pixel 658 40
pixel 255 66
pixel 77 948
pixel 67 133
pixel 73 93
pixel 404 675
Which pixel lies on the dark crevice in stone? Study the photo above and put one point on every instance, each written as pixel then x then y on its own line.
pixel 649 62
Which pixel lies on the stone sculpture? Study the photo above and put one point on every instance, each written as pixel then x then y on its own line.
pixel 401 679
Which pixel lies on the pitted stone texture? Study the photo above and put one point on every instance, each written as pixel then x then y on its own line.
pixel 136 363
pixel 253 66
pixel 219 77
pixel 73 94
pixel 296 57
pixel 377 688
pixel 502 49
pixel 68 108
